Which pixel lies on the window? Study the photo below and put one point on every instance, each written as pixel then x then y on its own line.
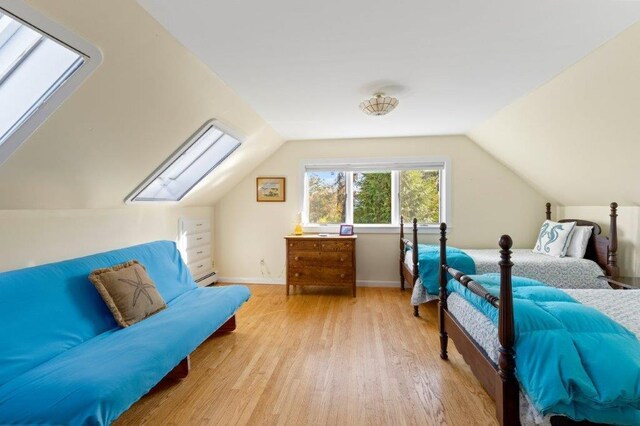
pixel 198 157
pixel 374 194
pixel 34 66
pixel 327 197
pixel 372 197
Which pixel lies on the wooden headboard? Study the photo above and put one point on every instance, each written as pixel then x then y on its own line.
pixel 602 250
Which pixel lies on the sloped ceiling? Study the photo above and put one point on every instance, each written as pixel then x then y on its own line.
pixel 305 66
pixel 148 96
pixel 577 138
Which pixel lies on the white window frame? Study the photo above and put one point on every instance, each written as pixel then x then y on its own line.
pixel 173 157
pixel 21 12
pixel 416 163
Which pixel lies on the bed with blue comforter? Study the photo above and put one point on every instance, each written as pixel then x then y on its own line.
pixel 573 359
pixel 563 272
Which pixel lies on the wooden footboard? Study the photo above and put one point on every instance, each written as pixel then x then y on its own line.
pixel 499 380
pixel 408 275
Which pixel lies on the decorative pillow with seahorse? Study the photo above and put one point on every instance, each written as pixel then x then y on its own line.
pixel 554 237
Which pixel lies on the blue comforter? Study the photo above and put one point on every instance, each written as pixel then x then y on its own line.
pixel 429 263
pixel 571 359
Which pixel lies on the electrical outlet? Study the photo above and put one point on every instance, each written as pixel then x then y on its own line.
pixel 262 261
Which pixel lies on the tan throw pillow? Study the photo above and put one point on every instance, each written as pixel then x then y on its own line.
pixel 128 292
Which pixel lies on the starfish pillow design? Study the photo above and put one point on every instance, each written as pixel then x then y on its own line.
pixel 140 286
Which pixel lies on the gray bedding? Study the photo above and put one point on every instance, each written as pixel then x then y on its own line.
pixel 560 272
pixel 622 306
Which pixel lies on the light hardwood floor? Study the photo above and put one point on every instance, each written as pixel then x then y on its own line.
pixel 322 357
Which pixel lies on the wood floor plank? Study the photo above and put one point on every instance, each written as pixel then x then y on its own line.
pixel 321 357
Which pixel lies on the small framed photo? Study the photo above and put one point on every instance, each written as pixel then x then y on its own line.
pixel 270 189
pixel 346 230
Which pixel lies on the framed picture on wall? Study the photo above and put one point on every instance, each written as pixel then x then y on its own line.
pixel 270 189
pixel 346 230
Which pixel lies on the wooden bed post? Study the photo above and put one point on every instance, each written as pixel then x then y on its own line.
pixel 416 309
pixel 442 276
pixel 415 247
pixel 507 395
pixel 402 252
pixel 548 211
pixel 612 255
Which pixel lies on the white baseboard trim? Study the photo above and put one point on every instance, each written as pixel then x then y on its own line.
pixel 261 280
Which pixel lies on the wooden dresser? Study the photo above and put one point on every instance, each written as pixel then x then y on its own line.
pixel 327 261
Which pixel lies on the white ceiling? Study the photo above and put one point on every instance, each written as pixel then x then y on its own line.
pixel 305 66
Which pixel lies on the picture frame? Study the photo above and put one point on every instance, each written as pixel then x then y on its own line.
pixel 271 189
pixel 346 230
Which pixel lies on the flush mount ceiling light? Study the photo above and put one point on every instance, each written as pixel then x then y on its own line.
pixel 379 104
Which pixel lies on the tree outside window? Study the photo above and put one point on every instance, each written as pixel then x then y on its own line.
pixel 376 197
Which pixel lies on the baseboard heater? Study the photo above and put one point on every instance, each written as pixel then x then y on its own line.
pixel 207 280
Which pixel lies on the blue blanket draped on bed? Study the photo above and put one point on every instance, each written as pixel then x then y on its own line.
pixel 571 359
pixel 429 262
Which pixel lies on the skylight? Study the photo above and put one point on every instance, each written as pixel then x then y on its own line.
pixel 33 66
pixel 198 157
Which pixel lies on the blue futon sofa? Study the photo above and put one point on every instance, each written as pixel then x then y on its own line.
pixel 63 359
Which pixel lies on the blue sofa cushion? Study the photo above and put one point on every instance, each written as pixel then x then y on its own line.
pixel 96 381
pixel 49 309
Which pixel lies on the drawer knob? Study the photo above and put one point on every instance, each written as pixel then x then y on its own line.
pixel 296 258
pixel 341 275
pixel 315 245
pixel 200 252
pixel 198 239
pixel 342 259
pixel 297 274
pixel 290 244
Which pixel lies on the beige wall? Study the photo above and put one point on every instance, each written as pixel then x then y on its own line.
pixel 576 137
pixel 488 200
pixel 62 192
pixel 33 237
pixel 628 231
pixel 148 96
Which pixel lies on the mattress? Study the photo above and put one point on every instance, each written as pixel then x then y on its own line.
pixel 560 272
pixel 623 306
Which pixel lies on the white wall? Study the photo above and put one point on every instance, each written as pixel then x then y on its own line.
pixel 34 237
pixel 628 231
pixel 488 200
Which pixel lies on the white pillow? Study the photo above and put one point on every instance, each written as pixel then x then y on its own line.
pixel 579 240
pixel 553 238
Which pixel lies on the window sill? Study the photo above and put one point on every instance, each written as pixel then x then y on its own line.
pixel 373 229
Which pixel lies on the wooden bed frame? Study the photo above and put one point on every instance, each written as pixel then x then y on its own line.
pixel 499 380
pixel 602 250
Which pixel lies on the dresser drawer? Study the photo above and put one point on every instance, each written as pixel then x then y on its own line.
pixel 336 245
pixel 195 226
pixel 306 275
pixel 303 245
pixel 337 276
pixel 197 240
pixel 300 259
pixel 198 253
pixel 199 268
pixel 316 275
pixel 337 259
